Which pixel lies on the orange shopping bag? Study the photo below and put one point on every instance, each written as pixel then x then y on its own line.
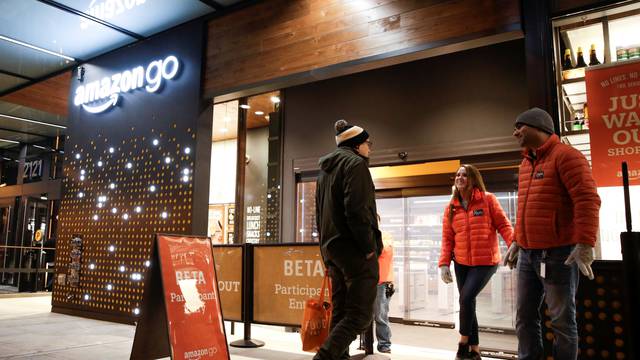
pixel 317 318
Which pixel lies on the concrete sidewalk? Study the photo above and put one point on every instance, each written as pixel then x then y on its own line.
pixel 28 330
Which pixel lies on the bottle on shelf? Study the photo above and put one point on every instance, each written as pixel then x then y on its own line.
pixel 566 61
pixel 585 122
pixel 593 59
pixel 621 53
pixel 580 59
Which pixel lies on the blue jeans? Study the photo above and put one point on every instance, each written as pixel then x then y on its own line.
pixel 558 288
pixel 381 316
pixel 471 280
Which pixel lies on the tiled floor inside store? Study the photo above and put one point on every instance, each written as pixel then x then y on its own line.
pixel 28 330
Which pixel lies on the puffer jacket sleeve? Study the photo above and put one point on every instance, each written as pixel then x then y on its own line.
pixel 500 220
pixel 448 240
pixel 358 186
pixel 576 177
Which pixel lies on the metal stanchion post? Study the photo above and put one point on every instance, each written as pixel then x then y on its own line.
pixel 247 300
pixel 630 246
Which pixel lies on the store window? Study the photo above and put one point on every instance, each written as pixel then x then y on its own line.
pixel 306 227
pixel 250 128
pixel 262 169
pixel 604 37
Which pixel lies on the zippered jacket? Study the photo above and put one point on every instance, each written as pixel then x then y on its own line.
pixel 470 237
pixel 346 212
pixel 558 202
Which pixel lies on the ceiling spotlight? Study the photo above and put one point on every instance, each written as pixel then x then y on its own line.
pixel 167 160
pixel 164 215
pixel 125 216
pixel 114 210
pixel 86 297
pixel 275 99
pixel 185 178
pixel 111 248
pixel 92 266
pixel 81 177
pixel 187 150
pixel 136 276
pixel 122 268
pixel 100 205
pixel 112 186
pixel 102 198
pixel 185 171
pixel 100 163
pixel 77 156
pixel 259 112
pixel 147 263
pixel 109 287
pixel 95 217
pixel 155 142
pixel 129 165
pixel 80 194
pixel 245 106
pixel 111 150
pixel 152 188
pixel 136 311
pixel 82 172
pixel 268 233
pixel 138 209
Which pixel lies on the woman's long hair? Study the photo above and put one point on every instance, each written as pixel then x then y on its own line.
pixel 474 179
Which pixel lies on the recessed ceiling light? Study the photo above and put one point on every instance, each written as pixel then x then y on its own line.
pixel 275 99
pixel 259 112
pixel 111 150
pixel 155 142
pixel 187 150
pixel 114 210
pixel 245 106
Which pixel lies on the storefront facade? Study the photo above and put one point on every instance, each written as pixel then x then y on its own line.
pixel 253 96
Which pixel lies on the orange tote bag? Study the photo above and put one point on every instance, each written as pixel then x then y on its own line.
pixel 317 318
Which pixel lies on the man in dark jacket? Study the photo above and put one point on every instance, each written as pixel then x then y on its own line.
pixel 350 241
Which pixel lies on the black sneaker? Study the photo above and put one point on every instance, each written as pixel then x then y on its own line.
pixel 474 355
pixel 463 352
pixel 384 350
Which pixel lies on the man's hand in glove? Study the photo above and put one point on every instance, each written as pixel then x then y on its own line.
pixel 582 255
pixel 445 274
pixel 511 256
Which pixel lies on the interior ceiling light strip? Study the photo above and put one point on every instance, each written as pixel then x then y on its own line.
pixel 10 141
pixel 18 42
pixel 33 121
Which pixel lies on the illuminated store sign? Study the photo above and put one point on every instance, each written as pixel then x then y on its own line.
pixel 100 95
pixel 108 9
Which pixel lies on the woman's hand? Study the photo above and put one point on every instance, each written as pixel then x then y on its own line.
pixel 445 274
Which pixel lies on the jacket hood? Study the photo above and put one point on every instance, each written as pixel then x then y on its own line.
pixel 331 160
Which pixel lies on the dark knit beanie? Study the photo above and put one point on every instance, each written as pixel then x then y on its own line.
pixel 537 118
pixel 349 135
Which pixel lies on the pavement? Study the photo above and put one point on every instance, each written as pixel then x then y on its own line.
pixel 29 330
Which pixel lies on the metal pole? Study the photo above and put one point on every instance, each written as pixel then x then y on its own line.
pixel 247 300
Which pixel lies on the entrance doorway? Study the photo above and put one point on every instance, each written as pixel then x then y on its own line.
pixel 415 223
pixel 27 251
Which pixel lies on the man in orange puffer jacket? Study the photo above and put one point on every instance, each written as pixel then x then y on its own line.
pixel 556 230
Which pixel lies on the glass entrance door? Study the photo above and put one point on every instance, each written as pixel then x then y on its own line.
pixel 27 253
pixel 416 225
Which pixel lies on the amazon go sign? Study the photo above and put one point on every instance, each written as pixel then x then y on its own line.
pixel 100 95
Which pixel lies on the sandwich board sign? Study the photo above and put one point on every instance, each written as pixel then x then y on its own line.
pixel 181 316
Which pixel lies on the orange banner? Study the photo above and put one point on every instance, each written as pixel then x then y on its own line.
pixel 614 122
pixel 196 329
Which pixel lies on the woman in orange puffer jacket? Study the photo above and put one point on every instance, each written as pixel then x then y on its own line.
pixel 469 239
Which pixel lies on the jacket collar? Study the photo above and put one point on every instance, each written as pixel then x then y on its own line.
pixel 543 149
pixel 476 195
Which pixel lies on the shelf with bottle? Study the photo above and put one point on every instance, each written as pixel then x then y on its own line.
pixel 571 72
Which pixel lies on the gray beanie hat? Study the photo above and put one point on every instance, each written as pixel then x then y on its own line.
pixel 537 118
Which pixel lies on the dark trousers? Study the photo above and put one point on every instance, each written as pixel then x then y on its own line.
pixel 471 280
pixel 354 283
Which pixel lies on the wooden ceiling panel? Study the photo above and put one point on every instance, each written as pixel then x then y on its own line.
pixel 51 95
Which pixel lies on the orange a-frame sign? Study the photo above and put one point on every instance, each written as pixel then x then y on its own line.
pixel 181 313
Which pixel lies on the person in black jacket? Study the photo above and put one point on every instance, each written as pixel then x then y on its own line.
pixel 350 241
